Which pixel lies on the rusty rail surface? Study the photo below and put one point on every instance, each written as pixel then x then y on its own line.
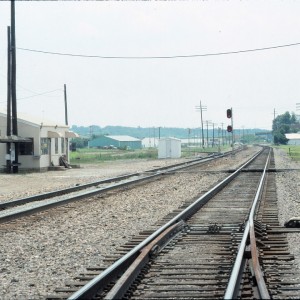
pixel 91 287
pixel 235 278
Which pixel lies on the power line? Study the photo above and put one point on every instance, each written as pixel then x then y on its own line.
pixel 26 89
pixel 39 94
pixel 161 57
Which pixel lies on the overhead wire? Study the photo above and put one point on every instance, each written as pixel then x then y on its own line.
pixel 149 57
pixel 38 94
pixel 29 90
pixel 161 57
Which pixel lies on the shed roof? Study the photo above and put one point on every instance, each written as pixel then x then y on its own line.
pixel 293 136
pixel 34 120
pixel 14 139
pixel 123 138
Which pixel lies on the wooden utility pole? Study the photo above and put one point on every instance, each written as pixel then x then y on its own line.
pixel 8 118
pixel 207 133
pixel 202 140
pixel 66 105
pixel 13 88
pixel 201 108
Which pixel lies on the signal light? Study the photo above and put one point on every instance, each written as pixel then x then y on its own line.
pixel 229 128
pixel 229 113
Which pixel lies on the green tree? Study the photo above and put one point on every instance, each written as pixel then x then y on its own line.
pixel 282 124
pixel 80 142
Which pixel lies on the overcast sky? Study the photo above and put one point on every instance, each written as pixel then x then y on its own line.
pixel 155 91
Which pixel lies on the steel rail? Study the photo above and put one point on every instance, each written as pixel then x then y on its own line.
pixel 8 216
pixel 124 282
pixel 56 193
pixel 19 211
pixel 52 194
pixel 103 278
pixel 69 190
pixel 234 281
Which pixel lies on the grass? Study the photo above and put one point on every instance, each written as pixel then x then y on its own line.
pixel 94 156
pixel 292 151
pixel 86 156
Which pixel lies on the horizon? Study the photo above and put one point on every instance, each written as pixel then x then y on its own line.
pixel 140 63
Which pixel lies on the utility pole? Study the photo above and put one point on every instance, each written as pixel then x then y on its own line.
pixel 189 133
pixel 201 108
pixel 219 144
pixel 213 142
pixel 15 151
pixel 243 134
pixel 207 132
pixel 8 116
pixel 222 124
pixel 66 105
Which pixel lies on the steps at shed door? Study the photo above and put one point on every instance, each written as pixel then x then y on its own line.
pixel 57 168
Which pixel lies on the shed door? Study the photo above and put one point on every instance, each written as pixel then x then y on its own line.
pixel 168 149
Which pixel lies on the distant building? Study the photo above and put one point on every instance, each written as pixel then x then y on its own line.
pixel 294 138
pixel 41 143
pixel 267 135
pixel 118 141
pixel 169 148
pixel 150 142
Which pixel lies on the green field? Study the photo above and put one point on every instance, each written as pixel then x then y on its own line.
pixel 93 155
pixel 292 151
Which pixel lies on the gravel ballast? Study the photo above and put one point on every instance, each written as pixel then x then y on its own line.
pixel 39 253
pixel 288 191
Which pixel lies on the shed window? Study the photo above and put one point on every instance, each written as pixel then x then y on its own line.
pixel 45 144
pixel 26 148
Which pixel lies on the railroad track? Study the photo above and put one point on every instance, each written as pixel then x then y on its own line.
pixel 14 209
pixel 192 253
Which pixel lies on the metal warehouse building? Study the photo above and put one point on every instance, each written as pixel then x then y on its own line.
pixel 119 141
pixel 41 143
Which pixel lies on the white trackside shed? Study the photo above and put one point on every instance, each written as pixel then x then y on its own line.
pixel 169 148
pixel 45 143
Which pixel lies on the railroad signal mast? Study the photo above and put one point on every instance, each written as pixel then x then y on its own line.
pixel 230 127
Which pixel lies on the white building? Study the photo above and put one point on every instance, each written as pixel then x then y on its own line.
pixel 169 148
pixel 294 138
pixel 150 142
pixel 41 143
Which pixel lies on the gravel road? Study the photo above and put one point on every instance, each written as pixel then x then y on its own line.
pixel 42 251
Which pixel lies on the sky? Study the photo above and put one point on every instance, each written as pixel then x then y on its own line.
pixel 131 73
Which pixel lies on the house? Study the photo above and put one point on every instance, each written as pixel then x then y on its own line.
pixel 118 141
pixel 41 143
